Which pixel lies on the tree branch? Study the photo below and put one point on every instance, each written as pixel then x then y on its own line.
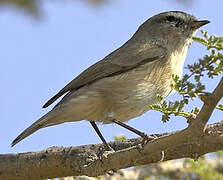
pixel 84 160
pixel 210 103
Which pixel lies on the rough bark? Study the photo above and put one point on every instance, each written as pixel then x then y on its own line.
pixel 194 141
pixel 175 170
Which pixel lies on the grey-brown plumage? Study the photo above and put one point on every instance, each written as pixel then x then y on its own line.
pixel 123 84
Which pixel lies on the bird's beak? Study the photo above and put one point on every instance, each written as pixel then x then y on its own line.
pixel 198 24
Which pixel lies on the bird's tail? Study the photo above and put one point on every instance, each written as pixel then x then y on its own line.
pixel 42 122
pixel 56 116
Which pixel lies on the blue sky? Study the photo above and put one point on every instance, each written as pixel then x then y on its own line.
pixel 39 57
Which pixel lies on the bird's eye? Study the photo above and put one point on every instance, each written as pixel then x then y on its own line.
pixel 171 18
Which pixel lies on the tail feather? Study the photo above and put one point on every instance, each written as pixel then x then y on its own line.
pixel 56 116
pixel 31 129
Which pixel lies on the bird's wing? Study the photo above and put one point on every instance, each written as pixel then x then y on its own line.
pixel 128 56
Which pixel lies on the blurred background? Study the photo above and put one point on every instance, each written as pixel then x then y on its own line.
pixel 44 44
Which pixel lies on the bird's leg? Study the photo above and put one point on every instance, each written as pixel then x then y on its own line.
pixel 145 137
pixel 109 148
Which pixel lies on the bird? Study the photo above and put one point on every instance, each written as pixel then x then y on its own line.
pixel 124 84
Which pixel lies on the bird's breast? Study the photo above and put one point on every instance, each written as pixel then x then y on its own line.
pixel 176 60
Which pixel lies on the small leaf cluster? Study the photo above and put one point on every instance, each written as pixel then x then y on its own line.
pixel 186 88
pixel 211 42
pixel 119 138
pixel 172 107
pixel 212 63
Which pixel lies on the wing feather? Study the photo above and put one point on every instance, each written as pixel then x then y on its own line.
pixel 127 57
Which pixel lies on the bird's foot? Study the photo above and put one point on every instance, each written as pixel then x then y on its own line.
pixel 103 153
pixel 145 140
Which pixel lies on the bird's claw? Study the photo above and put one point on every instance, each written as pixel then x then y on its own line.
pixel 145 140
pixel 104 153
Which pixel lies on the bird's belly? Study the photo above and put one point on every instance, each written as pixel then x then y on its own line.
pixel 130 94
pixel 136 102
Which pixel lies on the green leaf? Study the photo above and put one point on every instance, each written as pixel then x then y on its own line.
pixel 220 107
pixel 200 40
pixel 119 138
